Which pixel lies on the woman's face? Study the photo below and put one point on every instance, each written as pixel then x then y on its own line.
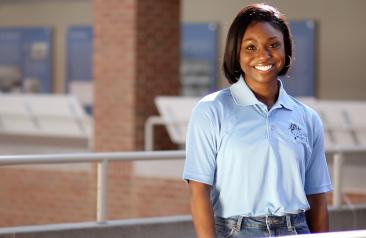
pixel 262 53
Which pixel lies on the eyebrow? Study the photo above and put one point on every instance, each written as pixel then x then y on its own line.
pixel 271 38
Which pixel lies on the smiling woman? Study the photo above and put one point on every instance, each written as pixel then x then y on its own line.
pixel 262 57
pixel 255 156
pixel 262 53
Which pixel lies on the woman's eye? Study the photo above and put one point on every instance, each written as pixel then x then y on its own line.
pixel 274 45
pixel 250 47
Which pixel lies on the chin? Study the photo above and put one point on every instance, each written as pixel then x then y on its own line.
pixel 267 79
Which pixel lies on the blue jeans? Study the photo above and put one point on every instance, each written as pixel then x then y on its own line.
pixel 239 226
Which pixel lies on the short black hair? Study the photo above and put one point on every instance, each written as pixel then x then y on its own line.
pixel 249 14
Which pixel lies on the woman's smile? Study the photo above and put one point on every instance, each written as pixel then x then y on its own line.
pixel 263 68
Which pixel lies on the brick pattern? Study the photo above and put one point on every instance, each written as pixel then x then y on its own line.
pixel 158 57
pixel 147 197
pixel 114 72
pixel 136 58
pixel 29 196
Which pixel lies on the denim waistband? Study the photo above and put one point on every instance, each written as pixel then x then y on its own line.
pixel 240 222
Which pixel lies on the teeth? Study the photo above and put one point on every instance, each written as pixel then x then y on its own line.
pixel 263 67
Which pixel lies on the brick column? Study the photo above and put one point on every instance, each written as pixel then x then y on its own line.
pixel 136 57
pixel 158 54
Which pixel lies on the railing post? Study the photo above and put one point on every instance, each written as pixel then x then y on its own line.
pixel 102 188
pixel 149 134
pixel 338 160
pixel 149 131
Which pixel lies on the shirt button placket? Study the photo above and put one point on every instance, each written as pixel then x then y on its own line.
pixel 268 127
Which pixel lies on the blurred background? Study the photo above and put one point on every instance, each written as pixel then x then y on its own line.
pixel 80 76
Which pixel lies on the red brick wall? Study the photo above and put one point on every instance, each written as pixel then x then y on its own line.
pixel 158 59
pixel 136 58
pixel 30 196
pixel 137 52
pixel 114 72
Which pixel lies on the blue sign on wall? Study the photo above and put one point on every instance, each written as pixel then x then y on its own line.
pixel 300 80
pixel 79 53
pixel 25 58
pixel 198 58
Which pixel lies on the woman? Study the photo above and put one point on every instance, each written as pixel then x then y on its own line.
pixel 255 155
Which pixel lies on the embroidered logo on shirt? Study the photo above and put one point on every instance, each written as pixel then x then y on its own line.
pixel 297 132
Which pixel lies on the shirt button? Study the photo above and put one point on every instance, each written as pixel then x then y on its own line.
pixel 272 128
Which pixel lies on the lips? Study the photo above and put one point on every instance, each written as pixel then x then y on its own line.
pixel 263 68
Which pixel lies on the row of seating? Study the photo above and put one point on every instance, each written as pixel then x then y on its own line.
pixel 63 115
pixel 344 121
pixel 43 115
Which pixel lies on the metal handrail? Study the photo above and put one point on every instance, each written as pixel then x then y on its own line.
pixel 102 172
pixel 90 157
pixel 103 158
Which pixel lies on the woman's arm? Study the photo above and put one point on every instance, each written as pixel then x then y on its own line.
pixel 317 216
pixel 202 212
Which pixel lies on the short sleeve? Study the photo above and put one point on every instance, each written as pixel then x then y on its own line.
pixel 200 161
pixel 317 179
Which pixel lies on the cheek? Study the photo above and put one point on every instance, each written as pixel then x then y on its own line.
pixel 244 63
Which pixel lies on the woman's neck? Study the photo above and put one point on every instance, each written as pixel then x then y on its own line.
pixel 266 92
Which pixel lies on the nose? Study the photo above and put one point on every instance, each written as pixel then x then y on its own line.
pixel 264 54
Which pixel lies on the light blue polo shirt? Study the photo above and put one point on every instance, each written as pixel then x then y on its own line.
pixel 258 162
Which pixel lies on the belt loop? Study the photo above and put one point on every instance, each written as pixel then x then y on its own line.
pixel 288 221
pixel 238 223
pixel 268 222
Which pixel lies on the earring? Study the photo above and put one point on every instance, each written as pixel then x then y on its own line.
pixel 290 62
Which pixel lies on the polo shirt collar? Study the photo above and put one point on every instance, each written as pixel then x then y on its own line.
pixel 284 99
pixel 243 96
